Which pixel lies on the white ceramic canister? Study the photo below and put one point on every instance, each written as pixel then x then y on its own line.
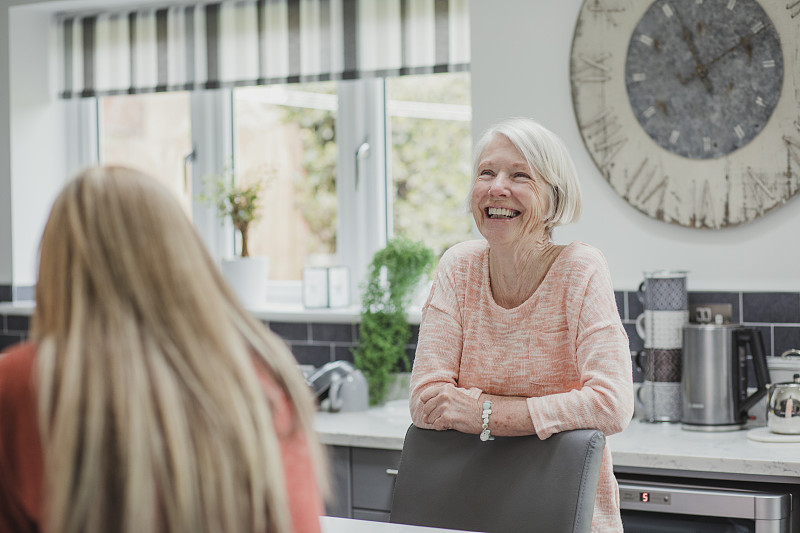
pixel 783 368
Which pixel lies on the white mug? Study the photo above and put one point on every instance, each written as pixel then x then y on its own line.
pixel 662 329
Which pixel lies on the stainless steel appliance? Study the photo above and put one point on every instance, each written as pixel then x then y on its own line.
pixel 715 375
pixel 783 407
pixel 661 507
pixel 339 387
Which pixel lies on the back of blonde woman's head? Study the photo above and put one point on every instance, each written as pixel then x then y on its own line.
pixel 547 155
pixel 152 417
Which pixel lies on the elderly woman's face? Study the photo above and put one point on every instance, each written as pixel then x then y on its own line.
pixel 509 200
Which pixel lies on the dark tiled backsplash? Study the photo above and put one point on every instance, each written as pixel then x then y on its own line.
pixel 775 314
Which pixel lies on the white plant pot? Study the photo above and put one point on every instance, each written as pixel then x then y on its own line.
pixel 248 277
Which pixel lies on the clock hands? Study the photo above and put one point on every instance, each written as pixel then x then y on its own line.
pixel 700 70
pixel 745 42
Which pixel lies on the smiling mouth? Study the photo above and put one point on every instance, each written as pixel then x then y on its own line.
pixel 501 213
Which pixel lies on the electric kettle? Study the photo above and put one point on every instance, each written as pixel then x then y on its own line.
pixel 715 375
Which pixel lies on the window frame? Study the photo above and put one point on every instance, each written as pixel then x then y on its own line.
pixel 361 186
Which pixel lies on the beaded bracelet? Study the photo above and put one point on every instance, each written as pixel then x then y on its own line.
pixel 487 410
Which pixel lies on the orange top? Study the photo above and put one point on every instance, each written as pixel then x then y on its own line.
pixel 564 349
pixel 21 476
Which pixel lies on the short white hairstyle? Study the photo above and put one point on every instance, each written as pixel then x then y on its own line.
pixel 547 155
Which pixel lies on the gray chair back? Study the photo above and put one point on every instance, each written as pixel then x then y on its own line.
pixel 449 479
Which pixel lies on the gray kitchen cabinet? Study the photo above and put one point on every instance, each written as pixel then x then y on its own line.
pixel 362 482
pixel 340 501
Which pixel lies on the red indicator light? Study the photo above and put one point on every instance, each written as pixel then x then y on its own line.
pixel 644 497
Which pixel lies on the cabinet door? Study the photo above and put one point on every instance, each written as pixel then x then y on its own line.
pixel 340 502
pixel 374 516
pixel 374 472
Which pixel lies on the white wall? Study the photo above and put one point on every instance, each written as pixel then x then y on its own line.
pixel 520 67
pixel 5 154
pixel 35 146
pixel 32 138
pixel 39 137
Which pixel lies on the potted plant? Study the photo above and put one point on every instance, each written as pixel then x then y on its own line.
pixel 239 201
pixel 393 276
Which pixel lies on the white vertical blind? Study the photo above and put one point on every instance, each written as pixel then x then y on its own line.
pixel 258 42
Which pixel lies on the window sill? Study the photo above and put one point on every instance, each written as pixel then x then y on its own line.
pixel 19 308
pixel 288 312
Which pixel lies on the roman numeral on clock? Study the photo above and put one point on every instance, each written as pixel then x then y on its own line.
pixel 792 154
pixel 792 149
pixel 644 170
pixel 600 6
pixel 755 190
pixel 661 186
pixel 603 131
pixel 704 210
pixel 793 8
pixel 594 68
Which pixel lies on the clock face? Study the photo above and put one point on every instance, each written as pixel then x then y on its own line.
pixel 691 108
pixel 702 79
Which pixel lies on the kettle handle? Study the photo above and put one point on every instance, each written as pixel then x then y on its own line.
pixel 334 393
pixel 752 337
pixel 790 353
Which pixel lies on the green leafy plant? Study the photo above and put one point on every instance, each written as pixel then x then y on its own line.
pixel 238 201
pixel 393 275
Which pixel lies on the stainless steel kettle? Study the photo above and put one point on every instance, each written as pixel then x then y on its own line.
pixel 783 407
pixel 715 375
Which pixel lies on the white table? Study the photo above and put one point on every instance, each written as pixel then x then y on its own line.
pixel 332 524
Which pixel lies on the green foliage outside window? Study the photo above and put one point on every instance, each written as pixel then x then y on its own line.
pixel 431 162
pixel 316 189
pixel 431 166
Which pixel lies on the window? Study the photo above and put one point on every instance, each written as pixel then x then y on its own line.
pixel 349 163
pixel 288 134
pixel 151 133
pixel 429 121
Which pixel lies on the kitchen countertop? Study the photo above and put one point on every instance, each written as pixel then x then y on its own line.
pixel 663 449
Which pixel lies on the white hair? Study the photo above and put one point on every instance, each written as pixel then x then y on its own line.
pixel 547 155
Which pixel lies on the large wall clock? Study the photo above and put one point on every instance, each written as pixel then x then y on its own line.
pixel 691 108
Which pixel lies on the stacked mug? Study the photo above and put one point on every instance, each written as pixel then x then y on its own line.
pixel 666 310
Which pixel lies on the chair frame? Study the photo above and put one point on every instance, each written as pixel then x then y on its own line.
pixel 453 480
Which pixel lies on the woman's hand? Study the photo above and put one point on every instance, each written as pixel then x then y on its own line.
pixel 445 407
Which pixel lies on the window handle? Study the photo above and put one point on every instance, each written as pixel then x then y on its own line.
pixel 188 158
pixel 361 154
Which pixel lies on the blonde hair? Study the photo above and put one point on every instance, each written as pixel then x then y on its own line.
pixel 151 414
pixel 547 155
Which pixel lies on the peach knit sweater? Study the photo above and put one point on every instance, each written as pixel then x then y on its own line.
pixel 564 349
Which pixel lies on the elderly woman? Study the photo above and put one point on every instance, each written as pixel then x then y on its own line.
pixel 519 321
pixel 148 398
